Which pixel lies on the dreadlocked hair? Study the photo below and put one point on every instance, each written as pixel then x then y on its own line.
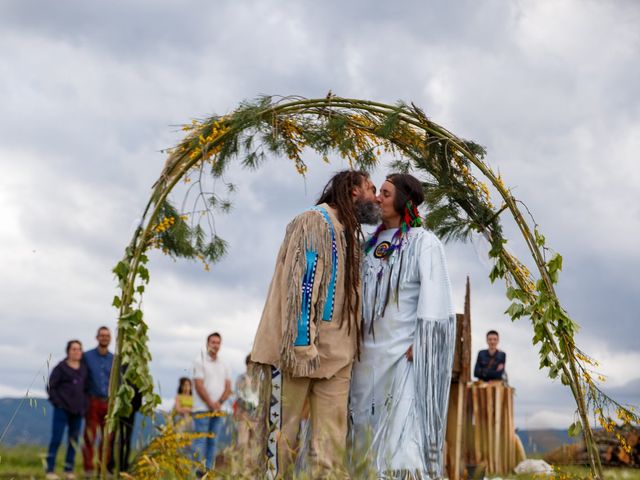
pixel 338 194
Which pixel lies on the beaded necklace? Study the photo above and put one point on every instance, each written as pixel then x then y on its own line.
pixel 410 218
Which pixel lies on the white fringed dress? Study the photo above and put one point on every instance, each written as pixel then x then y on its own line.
pixel 398 408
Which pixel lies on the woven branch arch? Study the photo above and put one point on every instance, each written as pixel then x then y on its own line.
pixel 456 180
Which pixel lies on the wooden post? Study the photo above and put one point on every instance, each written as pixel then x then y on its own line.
pixel 457 417
pixel 469 441
pixel 465 337
pixel 455 439
pixel 482 416
pixel 450 439
pixel 477 430
pixel 498 434
pixel 512 431
pixel 506 433
pixel 459 429
pixel 491 427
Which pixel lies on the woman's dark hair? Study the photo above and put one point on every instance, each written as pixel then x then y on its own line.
pixel 408 188
pixel 338 193
pixel 71 342
pixel 182 381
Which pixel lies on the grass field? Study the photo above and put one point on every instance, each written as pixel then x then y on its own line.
pixel 27 462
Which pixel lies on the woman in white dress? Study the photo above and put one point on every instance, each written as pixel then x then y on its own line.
pixel 400 386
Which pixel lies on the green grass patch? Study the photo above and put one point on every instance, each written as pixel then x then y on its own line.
pixel 28 461
pixel 22 460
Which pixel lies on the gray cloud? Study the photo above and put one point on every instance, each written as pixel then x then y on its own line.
pixel 92 93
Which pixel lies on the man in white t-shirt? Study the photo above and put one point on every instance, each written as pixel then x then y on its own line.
pixel 213 386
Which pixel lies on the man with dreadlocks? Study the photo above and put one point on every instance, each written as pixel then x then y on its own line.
pixel 400 386
pixel 309 331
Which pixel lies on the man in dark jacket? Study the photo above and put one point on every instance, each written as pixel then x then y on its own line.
pixel 490 363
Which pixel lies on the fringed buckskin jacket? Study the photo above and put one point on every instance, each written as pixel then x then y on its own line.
pixel 306 329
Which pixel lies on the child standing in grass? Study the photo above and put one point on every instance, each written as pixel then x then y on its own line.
pixel 68 394
pixel 184 404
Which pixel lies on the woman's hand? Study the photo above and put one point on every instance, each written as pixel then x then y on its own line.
pixel 409 354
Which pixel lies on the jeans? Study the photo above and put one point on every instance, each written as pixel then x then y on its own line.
pixel 61 420
pixel 205 448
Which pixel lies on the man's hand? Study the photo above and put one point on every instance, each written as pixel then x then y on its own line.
pixel 500 367
pixel 215 406
pixel 409 354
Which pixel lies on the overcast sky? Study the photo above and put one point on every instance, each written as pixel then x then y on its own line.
pixel 91 92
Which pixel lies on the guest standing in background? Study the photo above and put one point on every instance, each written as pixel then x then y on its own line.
pixel 212 380
pixel 67 389
pixel 98 362
pixel 183 406
pixel 246 416
pixel 490 363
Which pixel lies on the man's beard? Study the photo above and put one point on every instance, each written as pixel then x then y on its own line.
pixel 367 212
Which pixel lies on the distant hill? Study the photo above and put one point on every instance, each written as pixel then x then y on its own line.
pixel 32 426
pixel 544 440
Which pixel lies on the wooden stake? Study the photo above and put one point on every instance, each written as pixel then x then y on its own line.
pixel 451 437
pixel 490 430
pixel 512 433
pixel 498 438
pixel 459 432
pixel 477 428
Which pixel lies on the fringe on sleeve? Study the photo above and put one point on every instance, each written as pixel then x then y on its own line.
pixel 308 232
pixel 433 350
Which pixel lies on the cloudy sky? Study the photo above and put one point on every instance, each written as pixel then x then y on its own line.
pixel 91 92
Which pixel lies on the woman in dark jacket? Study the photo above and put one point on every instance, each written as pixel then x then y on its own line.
pixel 68 395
